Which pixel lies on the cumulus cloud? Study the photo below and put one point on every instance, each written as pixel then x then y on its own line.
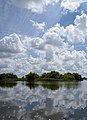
pixel 78 32
pixel 10 45
pixel 3 65
pixel 71 4
pixel 81 22
pixel 38 43
pixel 49 54
pixel 74 35
pixel 53 39
pixel 34 5
pixel 39 26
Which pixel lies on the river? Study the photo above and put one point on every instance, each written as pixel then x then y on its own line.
pixel 43 101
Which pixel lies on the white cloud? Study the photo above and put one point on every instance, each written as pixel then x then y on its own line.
pixel 10 45
pixel 71 4
pixel 53 39
pixel 78 32
pixel 74 35
pixel 34 5
pixel 81 22
pixel 39 26
pixel 37 43
pixel 49 54
pixel 3 64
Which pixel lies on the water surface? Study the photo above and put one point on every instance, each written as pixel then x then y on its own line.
pixel 44 101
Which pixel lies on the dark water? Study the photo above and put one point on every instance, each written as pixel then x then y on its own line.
pixel 43 101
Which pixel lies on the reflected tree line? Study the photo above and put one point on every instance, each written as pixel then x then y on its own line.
pixel 7 85
pixel 48 85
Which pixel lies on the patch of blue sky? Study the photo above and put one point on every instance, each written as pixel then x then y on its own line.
pixel 83 7
pixel 50 16
pixel 17 20
pixel 80 47
pixel 69 17
pixel 14 20
pixel 32 53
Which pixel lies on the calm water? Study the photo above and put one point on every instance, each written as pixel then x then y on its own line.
pixel 43 101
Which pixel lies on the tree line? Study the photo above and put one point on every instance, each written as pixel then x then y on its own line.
pixel 53 75
pixel 7 75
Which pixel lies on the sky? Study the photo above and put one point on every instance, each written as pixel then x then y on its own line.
pixel 42 36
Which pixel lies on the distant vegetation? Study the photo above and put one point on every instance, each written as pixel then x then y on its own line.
pixel 7 75
pixel 54 75
pixel 32 76
pixel 50 76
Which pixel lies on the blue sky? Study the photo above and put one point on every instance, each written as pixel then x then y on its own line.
pixel 43 35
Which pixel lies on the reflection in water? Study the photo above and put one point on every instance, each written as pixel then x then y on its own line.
pixel 32 85
pixel 59 101
pixel 8 85
pixel 53 85
pixel 70 85
pixel 50 86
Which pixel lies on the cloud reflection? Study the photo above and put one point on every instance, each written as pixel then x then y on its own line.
pixel 46 103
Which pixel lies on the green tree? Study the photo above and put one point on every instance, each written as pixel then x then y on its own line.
pixel 7 75
pixel 77 76
pixel 52 74
pixel 68 76
pixel 32 76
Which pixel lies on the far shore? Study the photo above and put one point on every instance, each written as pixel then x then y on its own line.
pixel 34 77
